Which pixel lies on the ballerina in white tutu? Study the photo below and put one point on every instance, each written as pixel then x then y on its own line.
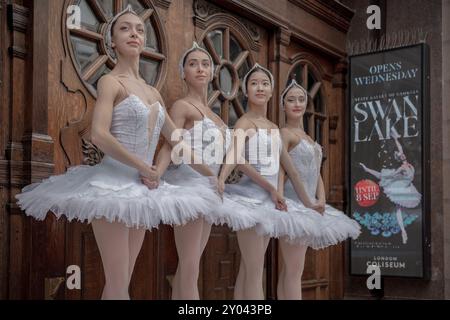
pixel 307 157
pixel 127 121
pixel 397 184
pixel 210 138
pixel 263 150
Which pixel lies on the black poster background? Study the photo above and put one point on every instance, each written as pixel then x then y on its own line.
pixel 381 239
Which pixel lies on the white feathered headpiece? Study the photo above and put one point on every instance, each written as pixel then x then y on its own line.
pixel 195 47
pixel 258 67
pixel 293 84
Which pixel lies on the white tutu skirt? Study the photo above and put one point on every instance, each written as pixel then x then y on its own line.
pixel 237 215
pixel 334 225
pixel 113 190
pixel 299 224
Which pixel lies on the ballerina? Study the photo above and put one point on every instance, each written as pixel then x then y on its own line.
pixel 307 157
pixel 397 184
pixel 128 118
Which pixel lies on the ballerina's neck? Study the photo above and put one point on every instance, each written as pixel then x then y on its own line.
pixel 257 110
pixel 294 123
pixel 128 66
pixel 198 95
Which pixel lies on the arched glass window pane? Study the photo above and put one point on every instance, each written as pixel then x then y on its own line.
pixel 235 48
pixel 242 72
pixel 226 81
pixel 315 115
pixel 296 74
pixel 107 6
pixel 151 39
pixel 225 93
pixel 86 52
pixel 88 19
pixel 216 37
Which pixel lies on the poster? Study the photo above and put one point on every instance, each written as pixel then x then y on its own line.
pixel 388 160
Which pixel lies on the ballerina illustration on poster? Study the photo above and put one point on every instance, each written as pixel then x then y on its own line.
pixel 397 184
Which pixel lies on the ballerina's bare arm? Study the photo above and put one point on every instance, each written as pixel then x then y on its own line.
pixel 231 161
pixel 256 177
pixel 236 151
pixel 294 176
pixel 321 191
pixel 289 141
pixel 168 128
pixel 234 156
pixel 281 180
pixel 164 156
pixel 107 91
pixel 163 160
pixel 178 115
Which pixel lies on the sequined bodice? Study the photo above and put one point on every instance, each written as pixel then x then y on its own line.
pixel 130 125
pixel 307 159
pixel 205 137
pixel 262 151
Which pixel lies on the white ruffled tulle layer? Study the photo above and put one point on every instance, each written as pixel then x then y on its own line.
pixel 113 191
pixel 333 226
pixel 299 224
pixel 237 215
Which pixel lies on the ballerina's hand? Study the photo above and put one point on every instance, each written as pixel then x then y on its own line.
pixel 282 206
pixel 278 199
pixel 213 181
pixel 150 184
pixel 319 207
pixel 363 166
pixel 220 187
pixel 150 177
pixel 150 173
